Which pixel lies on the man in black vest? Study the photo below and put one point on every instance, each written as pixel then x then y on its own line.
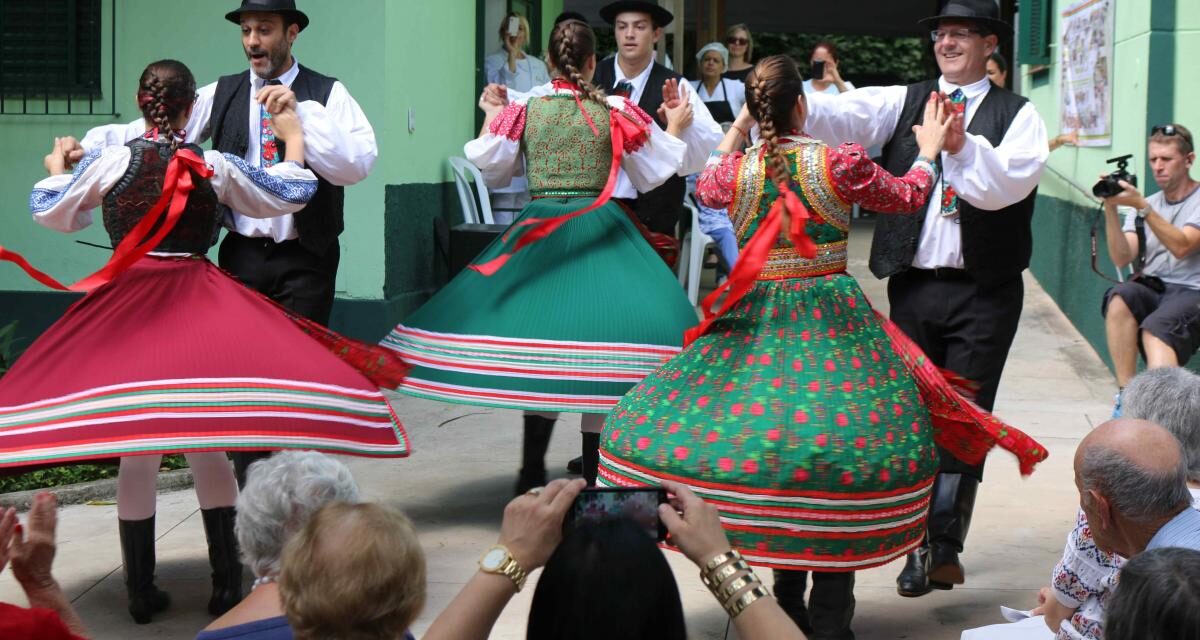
pixel 954 269
pixel 632 72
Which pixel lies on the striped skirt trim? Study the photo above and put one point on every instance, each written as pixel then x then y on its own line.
pixel 801 516
pixel 413 385
pixel 528 358
pixel 199 414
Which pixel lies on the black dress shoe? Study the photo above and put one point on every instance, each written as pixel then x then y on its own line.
pixel 575 466
pixel 945 570
pixel 913 580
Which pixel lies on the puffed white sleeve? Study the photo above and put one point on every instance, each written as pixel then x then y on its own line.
pixel 992 178
pixel 339 142
pixel 867 116
pixel 652 161
pixel 260 193
pixel 702 137
pixel 65 202
pixel 497 152
pixel 110 135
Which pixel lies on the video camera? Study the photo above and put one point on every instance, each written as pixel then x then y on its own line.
pixel 1108 185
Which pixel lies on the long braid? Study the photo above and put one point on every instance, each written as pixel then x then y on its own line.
pixel 165 91
pixel 572 43
pixel 772 90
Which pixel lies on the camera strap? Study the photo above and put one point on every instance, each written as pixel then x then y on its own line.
pixel 1139 227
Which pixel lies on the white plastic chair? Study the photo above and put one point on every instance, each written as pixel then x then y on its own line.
pixel 476 203
pixel 691 254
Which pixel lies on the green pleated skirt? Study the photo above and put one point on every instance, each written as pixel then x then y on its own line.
pixel 570 323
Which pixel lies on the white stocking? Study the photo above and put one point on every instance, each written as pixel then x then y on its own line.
pixel 214 480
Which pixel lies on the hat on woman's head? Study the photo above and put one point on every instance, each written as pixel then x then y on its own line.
pixel 985 12
pixel 713 46
pixel 286 8
pixel 659 15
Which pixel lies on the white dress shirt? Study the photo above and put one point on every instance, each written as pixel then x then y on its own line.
pixel 339 144
pixel 988 178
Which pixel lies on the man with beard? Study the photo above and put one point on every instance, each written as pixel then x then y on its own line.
pixel 292 259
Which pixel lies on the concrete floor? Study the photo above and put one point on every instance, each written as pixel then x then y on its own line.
pixel 460 476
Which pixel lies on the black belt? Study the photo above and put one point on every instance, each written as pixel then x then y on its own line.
pixel 942 273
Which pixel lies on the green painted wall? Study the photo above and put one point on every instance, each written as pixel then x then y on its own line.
pixel 1156 44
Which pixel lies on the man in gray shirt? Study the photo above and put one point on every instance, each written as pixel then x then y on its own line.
pixel 1158 310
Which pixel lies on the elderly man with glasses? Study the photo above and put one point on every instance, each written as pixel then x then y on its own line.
pixel 955 268
pixel 1157 311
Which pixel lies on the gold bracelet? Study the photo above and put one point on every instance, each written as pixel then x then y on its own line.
pixel 714 579
pixel 726 592
pixel 720 559
pixel 736 607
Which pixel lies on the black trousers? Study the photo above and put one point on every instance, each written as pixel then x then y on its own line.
pixel 962 327
pixel 284 272
pixel 287 273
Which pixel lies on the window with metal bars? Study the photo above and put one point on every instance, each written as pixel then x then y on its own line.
pixel 51 58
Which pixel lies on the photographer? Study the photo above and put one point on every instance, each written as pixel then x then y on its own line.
pixel 1158 309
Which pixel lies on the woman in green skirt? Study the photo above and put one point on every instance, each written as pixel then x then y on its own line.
pixel 571 307
pixel 808 419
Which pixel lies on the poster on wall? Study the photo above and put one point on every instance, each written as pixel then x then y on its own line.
pixel 1086 59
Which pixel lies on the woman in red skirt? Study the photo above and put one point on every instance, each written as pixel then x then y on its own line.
pixel 167 353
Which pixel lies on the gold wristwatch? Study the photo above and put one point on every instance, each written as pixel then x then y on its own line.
pixel 499 560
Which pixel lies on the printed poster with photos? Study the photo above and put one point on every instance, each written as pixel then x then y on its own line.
pixel 1086 60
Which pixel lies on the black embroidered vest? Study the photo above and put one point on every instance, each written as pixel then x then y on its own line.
pixel 670 193
pixel 996 245
pixel 141 186
pixel 317 224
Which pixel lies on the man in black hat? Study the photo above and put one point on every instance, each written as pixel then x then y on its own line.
pixel 954 269
pixel 292 259
pixel 632 72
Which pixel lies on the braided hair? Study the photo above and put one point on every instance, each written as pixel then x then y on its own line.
pixel 772 89
pixel 166 90
pixel 571 44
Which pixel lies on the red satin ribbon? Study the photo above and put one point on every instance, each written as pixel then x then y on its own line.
pixel 176 187
pixel 753 256
pixel 623 129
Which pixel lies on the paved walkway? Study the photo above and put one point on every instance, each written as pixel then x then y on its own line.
pixel 455 485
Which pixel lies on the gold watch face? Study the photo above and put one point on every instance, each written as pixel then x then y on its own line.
pixel 493 559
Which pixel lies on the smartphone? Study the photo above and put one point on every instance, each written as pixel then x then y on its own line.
pixel 514 26
pixel 818 69
pixel 640 504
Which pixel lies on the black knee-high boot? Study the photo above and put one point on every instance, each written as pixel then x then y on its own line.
pixel 831 605
pixel 789 592
pixel 536 440
pixel 591 457
pixel 223 557
pixel 137 554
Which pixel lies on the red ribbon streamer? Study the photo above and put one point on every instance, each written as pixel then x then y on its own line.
pixel 754 255
pixel 622 129
pixel 176 187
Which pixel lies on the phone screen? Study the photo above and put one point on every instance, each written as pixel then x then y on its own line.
pixel 514 26
pixel 818 69
pixel 640 505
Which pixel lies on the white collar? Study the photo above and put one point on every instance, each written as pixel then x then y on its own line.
pixel 287 78
pixel 976 89
pixel 639 78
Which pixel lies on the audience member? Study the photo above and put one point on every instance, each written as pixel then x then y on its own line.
pixel 31 551
pixel 724 97
pixel 824 58
pixel 997 69
pixel 529 535
pixel 1158 598
pixel 1070 138
pixel 281 494
pixel 354 572
pixel 1170 397
pixel 1156 311
pixel 741 52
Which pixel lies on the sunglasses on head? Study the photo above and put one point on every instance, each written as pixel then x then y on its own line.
pixel 737 40
pixel 1170 130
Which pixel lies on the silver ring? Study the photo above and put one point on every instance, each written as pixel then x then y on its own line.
pixel 536 491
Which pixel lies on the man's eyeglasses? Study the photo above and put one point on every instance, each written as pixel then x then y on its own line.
pixel 1171 130
pixel 737 41
pixel 954 34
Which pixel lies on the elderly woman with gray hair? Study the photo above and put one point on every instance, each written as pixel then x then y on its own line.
pixel 281 495
pixel 1074 604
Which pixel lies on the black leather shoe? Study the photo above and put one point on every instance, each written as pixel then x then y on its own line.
pixel 945 570
pixel 575 466
pixel 913 580
pixel 528 479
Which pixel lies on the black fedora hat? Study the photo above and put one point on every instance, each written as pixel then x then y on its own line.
pixel 985 12
pixel 286 8
pixel 659 15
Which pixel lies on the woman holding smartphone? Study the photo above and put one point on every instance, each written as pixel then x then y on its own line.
pixel 805 417
pixel 826 77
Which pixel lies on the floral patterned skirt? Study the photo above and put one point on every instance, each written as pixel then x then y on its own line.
pixel 806 419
